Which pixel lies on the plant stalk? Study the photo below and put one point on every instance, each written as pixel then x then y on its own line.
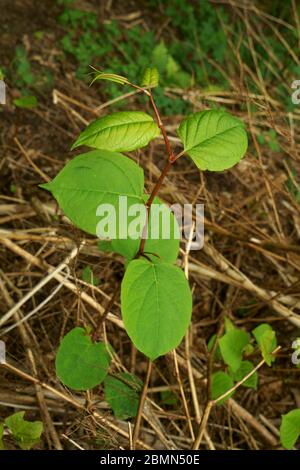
pixel 163 174
pixel 141 405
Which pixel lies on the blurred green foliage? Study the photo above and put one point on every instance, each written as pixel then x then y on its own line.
pixel 181 63
pixel 293 184
pixel 128 52
pixel 202 44
pixel 23 73
pixel 26 79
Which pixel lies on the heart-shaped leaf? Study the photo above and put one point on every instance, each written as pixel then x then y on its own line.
pixel 80 363
pixel 156 306
pixel 104 246
pixel 290 429
pixel 26 102
pixel 94 178
pixel 220 384
pixel 26 433
pixel 122 394
pixel 122 131
pixel 150 77
pixel 1 436
pixel 214 140
pixel 232 345
pixel 245 368
pixel 266 339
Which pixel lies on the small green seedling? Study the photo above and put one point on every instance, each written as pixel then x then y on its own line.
pixel 88 276
pixel 23 74
pixel 266 339
pixel 25 433
pixel 290 429
pixel 29 101
pixel 1 436
pixel 156 300
pixel 234 348
pixel 80 363
pixel 122 394
pixel 168 397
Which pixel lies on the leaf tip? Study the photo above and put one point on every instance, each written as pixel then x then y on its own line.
pixel 75 145
pixel 47 186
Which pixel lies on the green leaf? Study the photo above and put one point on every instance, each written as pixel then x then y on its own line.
pixel 104 246
pixel 249 349
pixel 26 433
pixel 290 429
pixel 94 178
pixel 266 339
pixel 81 364
pixel 160 57
pixel 261 139
pixel 214 140
pixel 122 394
pixel 156 304
pixel 292 184
pixel 273 142
pixel 245 368
pixel 13 188
pixel 172 68
pixel 150 77
pixel 220 384
pixel 122 131
pixel 23 75
pixel 88 276
pixel 168 397
pixel 39 34
pixel 228 324
pixel 175 75
pixel 26 102
pixel 111 77
pixel 165 246
pixel 232 345
pixel 1 436
pixel 211 344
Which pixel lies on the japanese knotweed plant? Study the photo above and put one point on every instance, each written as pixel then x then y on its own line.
pixel 24 433
pixel 156 299
pixel 234 348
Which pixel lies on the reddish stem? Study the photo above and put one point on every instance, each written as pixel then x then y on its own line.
pixel 162 128
pixel 163 174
